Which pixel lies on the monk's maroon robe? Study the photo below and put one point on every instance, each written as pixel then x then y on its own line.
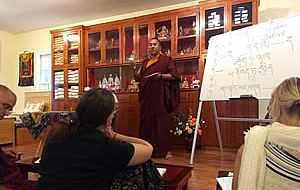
pixel 154 97
pixel 11 176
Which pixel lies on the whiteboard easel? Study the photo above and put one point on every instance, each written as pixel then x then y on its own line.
pixel 251 60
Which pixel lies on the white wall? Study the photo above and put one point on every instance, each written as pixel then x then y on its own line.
pixel 39 41
pixel 273 9
pixel 8 61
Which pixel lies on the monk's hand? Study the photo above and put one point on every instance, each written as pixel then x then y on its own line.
pixel 132 61
pixel 156 76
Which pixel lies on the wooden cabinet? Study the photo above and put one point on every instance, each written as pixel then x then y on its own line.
pixel 143 36
pixel 108 46
pixel 231 132
pixel 187 34
pixel 7 131
pixel 127 119
pixel 163 29
pixel 67 59
pixel 23 136
pixel 103 51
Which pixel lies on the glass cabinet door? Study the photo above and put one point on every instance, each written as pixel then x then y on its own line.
pixel 214 23
pixel 94 48
pixel 142 41
pixel 188 69
pixel 163 33
pixel 241 15
pixel 129 50
pixel 58 54
pixel 72 46
pixel 73 83
pixel 112 46
pixel 186 43
pixel 59 92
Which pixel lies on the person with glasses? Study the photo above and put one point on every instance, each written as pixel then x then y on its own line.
pixel 10 175
pixel 86 153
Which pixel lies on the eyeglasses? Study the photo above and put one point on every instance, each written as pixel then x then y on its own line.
pixel 114 113
pixel 7 107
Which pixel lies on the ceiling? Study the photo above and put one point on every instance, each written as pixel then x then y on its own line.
pixel 18 16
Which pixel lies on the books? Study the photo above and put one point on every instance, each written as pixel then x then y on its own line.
pixel 162 171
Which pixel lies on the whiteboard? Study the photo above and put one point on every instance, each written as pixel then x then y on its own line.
pixel 252 60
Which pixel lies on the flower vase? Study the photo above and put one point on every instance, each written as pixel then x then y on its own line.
pixel 188 143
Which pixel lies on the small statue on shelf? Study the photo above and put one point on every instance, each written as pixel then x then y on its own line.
pixel 99 84
pixel 112 42
pixel 168 52
pixel 185 83
pixel 180 31
pixel 133 86
pixel 193 29
pixel 131 56
pixel 104 82
pixel 117 82
pixel 162 32
pixel 110 81
pixel 195 82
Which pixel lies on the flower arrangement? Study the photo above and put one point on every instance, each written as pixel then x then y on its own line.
pixel 185 125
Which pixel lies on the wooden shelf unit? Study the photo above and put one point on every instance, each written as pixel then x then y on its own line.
pixel 104 49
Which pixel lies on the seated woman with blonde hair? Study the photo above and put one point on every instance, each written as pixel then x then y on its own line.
pixel 270 156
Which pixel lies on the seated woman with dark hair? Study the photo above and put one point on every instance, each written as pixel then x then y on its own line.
pixel 87 153
pixel 270 156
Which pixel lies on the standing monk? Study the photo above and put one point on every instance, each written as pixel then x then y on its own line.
pixel 158 96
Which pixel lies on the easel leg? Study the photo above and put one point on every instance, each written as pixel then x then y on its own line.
pixel 196 133
pixel 218 127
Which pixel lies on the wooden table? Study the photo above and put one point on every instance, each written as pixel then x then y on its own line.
pixel 176 177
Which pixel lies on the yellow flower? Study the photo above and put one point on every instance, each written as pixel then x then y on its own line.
pixel 189 131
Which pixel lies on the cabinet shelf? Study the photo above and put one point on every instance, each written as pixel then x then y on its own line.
pixel 73 83
pixel 242 24
pixel 214 28
pixel 188 36
pixel 91 66
pixel 165 40
pixel 73 49
pixel 58 51
pixel 72 65
pixel 112 47
pixel 94 49
pixel 186 56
